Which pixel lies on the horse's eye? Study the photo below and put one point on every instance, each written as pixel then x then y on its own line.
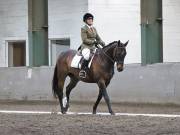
pixel 123 52
pixel 119 53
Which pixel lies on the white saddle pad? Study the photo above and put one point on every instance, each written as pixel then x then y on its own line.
pixel 75 61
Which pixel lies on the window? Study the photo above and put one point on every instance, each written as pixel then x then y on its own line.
pixel 58 46
pixel 16 54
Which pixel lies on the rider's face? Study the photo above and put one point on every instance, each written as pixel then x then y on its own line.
pixel 89 21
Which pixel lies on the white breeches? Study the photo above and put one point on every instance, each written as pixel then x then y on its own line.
pixel 86 53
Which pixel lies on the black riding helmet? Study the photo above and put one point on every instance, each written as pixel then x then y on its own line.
pixel 86 16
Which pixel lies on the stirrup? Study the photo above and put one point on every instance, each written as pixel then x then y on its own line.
pixel 82 74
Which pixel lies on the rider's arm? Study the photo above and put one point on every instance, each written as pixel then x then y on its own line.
pixel 85 39
pixel 98 39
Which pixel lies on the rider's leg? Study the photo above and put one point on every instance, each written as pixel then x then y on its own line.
pixel 84 65
pixel 86 53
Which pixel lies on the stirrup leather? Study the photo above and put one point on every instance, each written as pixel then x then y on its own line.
pixel 82 74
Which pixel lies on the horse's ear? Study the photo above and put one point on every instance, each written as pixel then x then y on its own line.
pixel 126 43
pixel 119 42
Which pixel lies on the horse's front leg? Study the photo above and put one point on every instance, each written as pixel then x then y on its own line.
pixel 106 97
pixel 97 101
pixel 102 86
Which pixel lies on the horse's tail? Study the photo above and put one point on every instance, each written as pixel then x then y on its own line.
pixel 55 82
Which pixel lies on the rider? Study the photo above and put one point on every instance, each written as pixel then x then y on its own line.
pixel 90 40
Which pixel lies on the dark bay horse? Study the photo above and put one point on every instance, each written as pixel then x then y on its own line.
pixel 100 72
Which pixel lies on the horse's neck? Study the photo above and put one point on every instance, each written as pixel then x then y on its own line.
pixel 109 51
pixel 109 58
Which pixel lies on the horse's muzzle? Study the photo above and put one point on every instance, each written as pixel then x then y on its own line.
pixel 120 67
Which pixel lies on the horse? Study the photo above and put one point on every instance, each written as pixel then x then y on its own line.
pixel 100 72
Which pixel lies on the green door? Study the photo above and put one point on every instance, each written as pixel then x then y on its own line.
pixel 151 32
pixel 38 32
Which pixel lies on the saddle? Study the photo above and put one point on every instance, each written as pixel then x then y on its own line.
pixel 78 59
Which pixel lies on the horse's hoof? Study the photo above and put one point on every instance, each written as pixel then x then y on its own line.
pixel 63 111
pixel 112 113
pixel 94 112
pixel 66 109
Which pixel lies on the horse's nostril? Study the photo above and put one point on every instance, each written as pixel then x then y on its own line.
pixel 120 69
pixel 120 66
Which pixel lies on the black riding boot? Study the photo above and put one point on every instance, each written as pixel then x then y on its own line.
pixel 84 68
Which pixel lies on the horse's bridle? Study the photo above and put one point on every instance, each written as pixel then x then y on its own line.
pixel 114 53
pixel 115 59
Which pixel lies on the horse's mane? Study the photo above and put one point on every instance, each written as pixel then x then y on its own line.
pixel 110 45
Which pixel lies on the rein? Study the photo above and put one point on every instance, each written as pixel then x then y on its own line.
pixel 113 61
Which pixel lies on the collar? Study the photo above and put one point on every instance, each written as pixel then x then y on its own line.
pixel 89 26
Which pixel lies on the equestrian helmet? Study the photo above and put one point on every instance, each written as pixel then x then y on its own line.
pixel 87 16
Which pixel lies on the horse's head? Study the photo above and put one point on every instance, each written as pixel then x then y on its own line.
pixel 119 55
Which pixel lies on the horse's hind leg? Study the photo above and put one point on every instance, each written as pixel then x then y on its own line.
pixel 60 92
pixel 71 85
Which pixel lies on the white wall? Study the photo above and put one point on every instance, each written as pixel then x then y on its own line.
pixel 114 19
pixel 65 19
pixel 119 20
pixel 13 24
pixel 171 39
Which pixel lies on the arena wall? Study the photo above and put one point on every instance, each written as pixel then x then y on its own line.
pixel 158 83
